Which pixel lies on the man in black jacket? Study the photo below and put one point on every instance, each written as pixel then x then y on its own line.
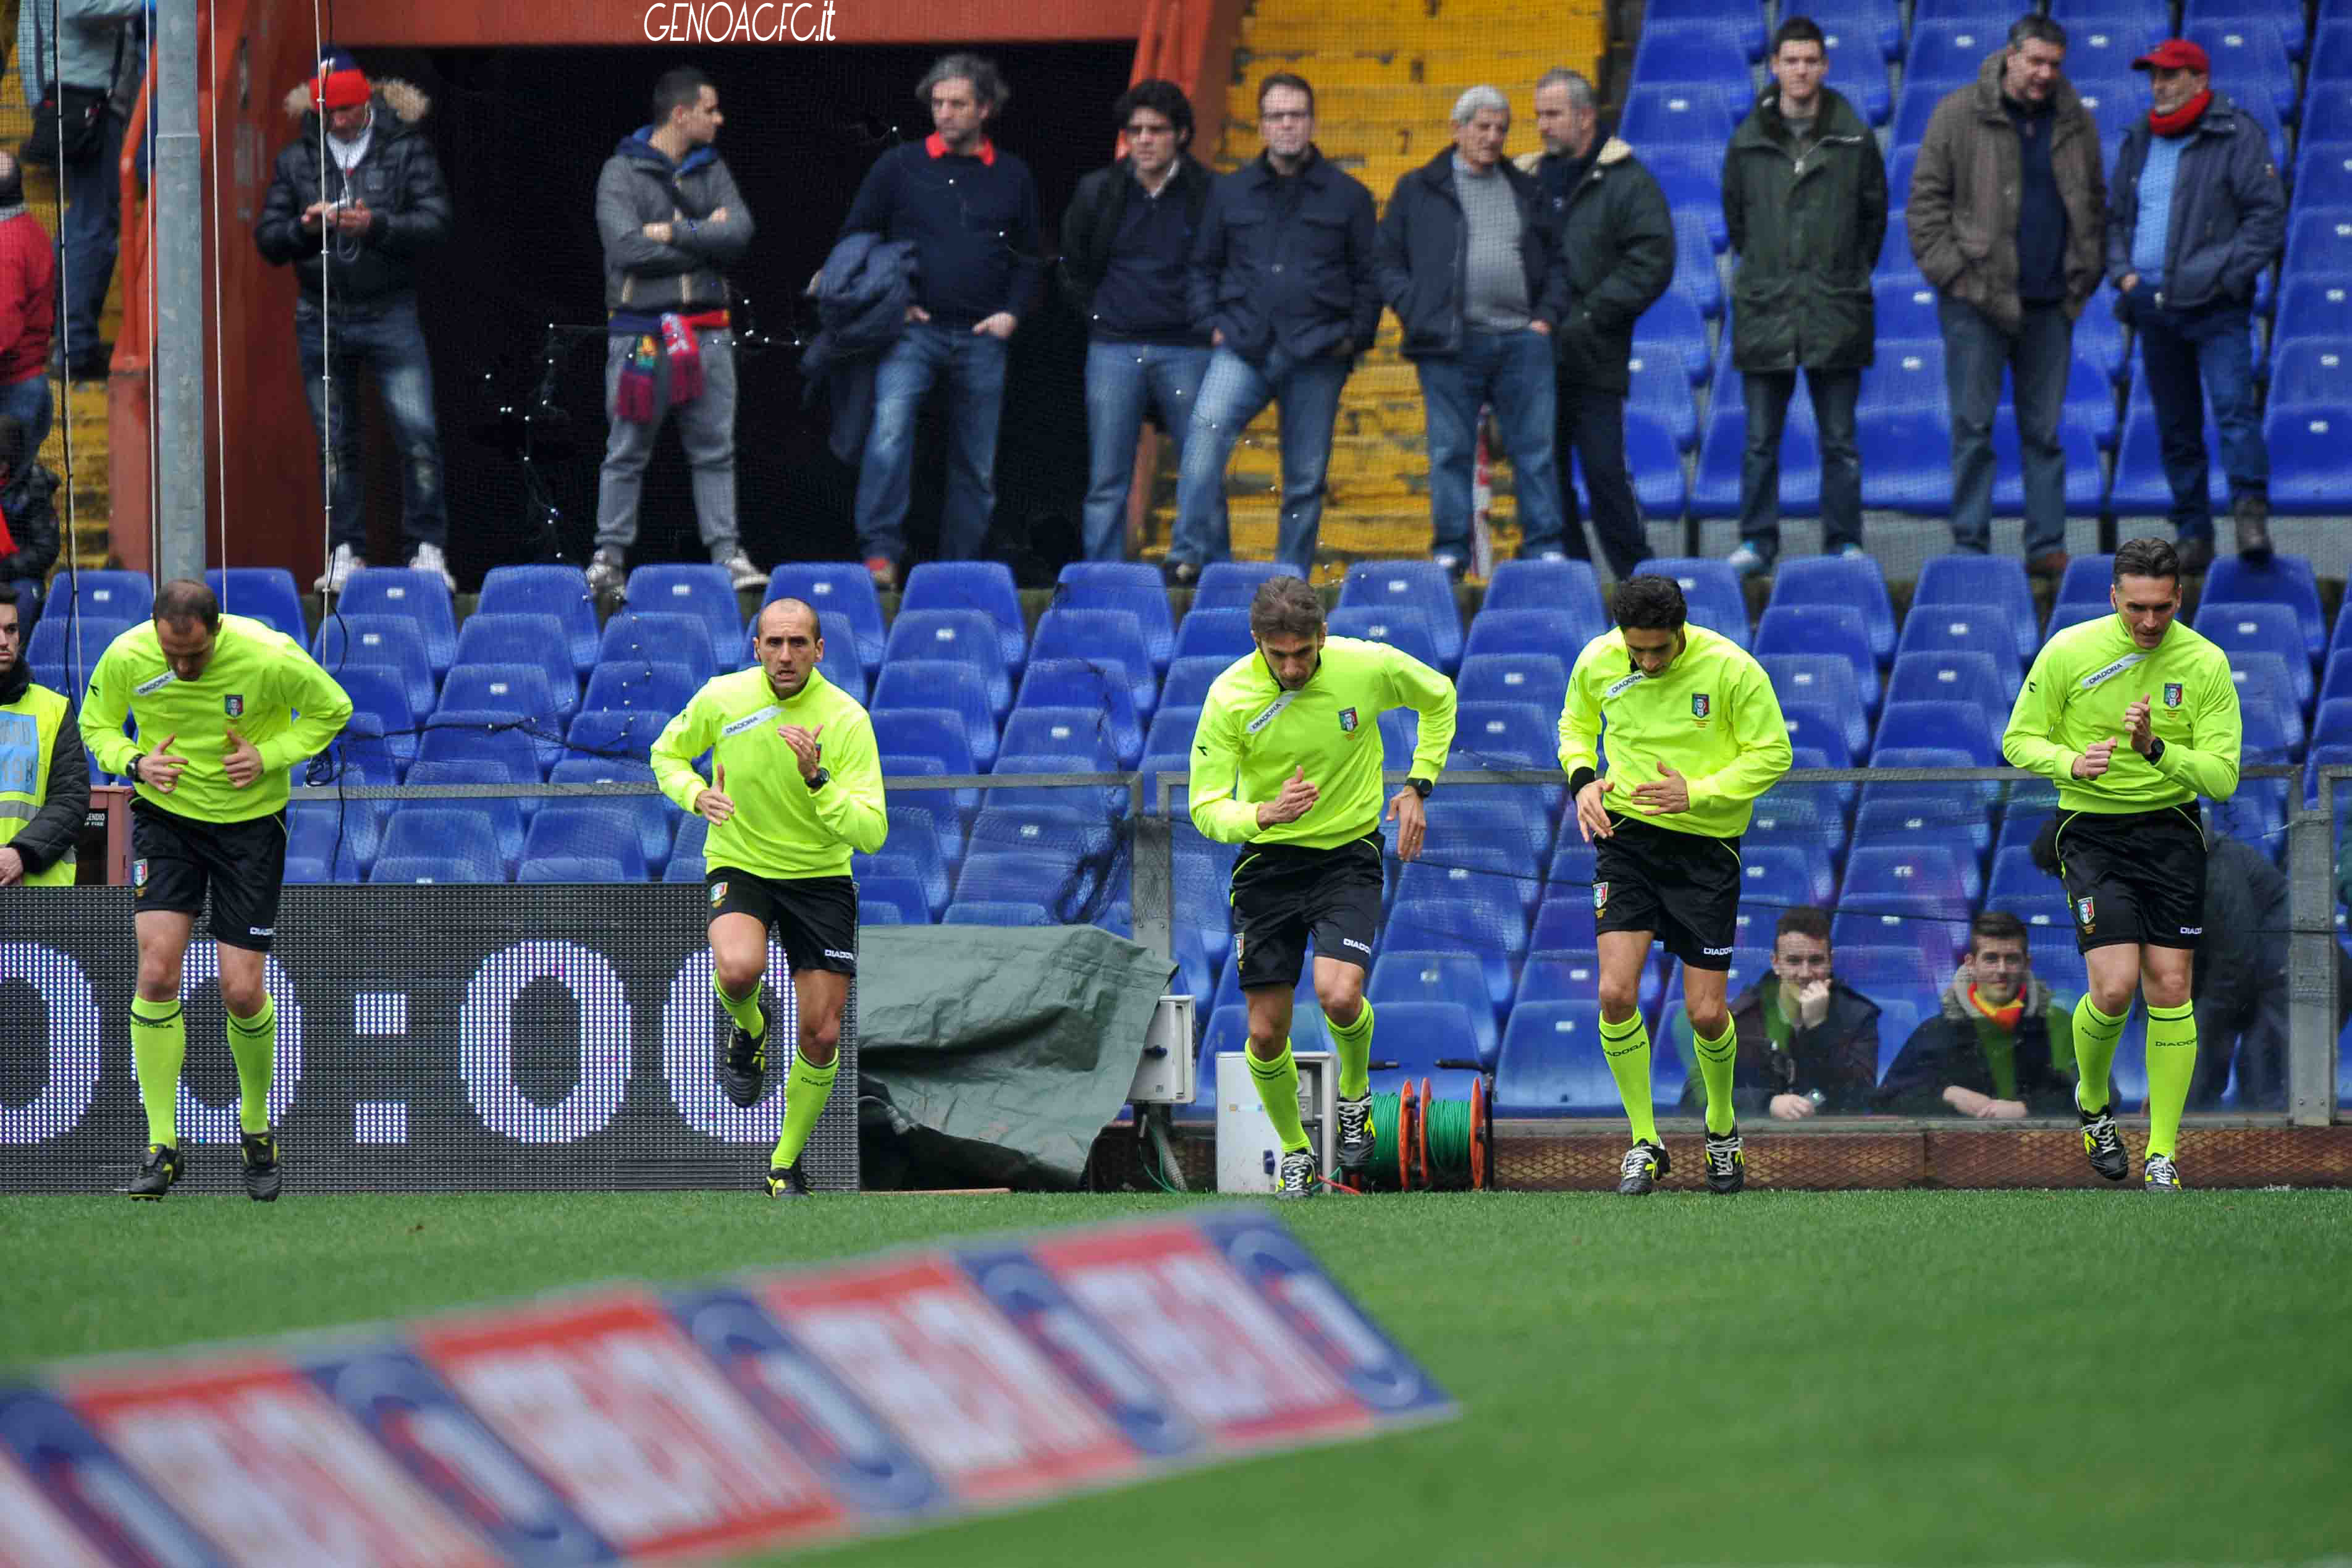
pixel 2186 283
pixel 1465 260
pixel 1808 1042
pixel 1998 1047
pixel 1617 240
pixel 353 228
pixel 1127 237
pixel 44 771
pixel 1282 282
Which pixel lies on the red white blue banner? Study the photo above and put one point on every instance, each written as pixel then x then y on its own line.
pixel 626 1424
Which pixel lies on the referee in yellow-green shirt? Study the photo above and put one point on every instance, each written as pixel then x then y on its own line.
pixel 1287 763
pixel 1694 735
pixel 795 787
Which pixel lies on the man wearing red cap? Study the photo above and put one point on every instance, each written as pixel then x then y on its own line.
pixel 2197 213
pixel 352 210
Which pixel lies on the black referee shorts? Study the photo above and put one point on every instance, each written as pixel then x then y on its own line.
pixel 1285 893
pixel 815 918
pixel 2133 877
pixel 1682 887
pixel 176 861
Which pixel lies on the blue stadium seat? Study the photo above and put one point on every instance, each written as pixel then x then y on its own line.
pixel 1889 967
pixel 1224 634
pixel 1824 682
pixel 1962 726
pixel 941 683
pixel 1893 816
pixel 1404 628
pixel 966 636
pixel 2078 448
pixel 844 663
pixel 1959 628
pixel 1837 629
pixel 1874 24
pixel 1906 312
pixel 578 869
pixel 1131 586
pixel 2140 487
pixel 265 592
pixel 1943 55
pixel 1112 639
pixel 985 586
pixel 501 736
pixel 2317 308
pixel 1799 815
pixel 1564 922
pixel 1550 1063
pixel 1418 1036
pixel 2285 580
pixel 1493 932
pixel 1231 584
pixel 1715 492
pixel 2256 816
pixel 584 830
pixel 1653 458
pixel 1513 816
pixel 2087 581
pixel 2332 725
pixel 902 896
pixel 1823 728
pixel 949 808
pixel 1550 634
pixel 655 818
pixel 1387 585
pixel 1695 276
pixel 378 692
pixel 1906 459
pixel 1028 877
pixel 1907 372
pixel 1935 798
pixel 345 641
pixel 2258 628
pixel 1188 680
pixel 1506 735
pixel 937 732
pixel 615 733
pixel 2269 735
pixel 1970 581
pixel 2251 56
pixel 1964 677
pixel 1846 582
pixel 1051 682
pixel 2267 678
pixel 104 597
pixel 520 687
pixel 421 598
pixel 1108 800
pixel 535 639
pixel 658 637
pixel 2308 374
pixel 836 588
pixel 1077 731
pixel 1933 928
pixel 1711 589
pixel 2015 875
pixel 1674 322
pixel 449 843
pixel 1682 41
pixel 1400 978
pixel 695 589
pixel 915 836
pixel 1538 678
pixel 892 868
pixel 627 684
pixel 1493 874
pixel 1784 875
pixel 1660 387
pixel 343 837
pixel 1169 747
pixel 2319 244
pixel 2316 758
pixel 2311 468
pixel 1666 115
pixel 1895 259
pixel 998 914
pixel 1059 829
pixel 560 591
pixel 2339 680
pixel 1559 974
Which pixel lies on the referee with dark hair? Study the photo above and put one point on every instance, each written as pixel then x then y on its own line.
pixel 1286 761
pixel 226 706
pixel 1695 736
pixel 2133 718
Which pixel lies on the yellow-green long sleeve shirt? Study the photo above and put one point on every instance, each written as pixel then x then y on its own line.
pixel 2075 695
pixel 1711 715
pixel 1253 733
pixel 782 829
pixel 259 680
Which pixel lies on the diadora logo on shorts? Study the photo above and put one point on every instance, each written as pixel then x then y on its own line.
pixel 261 930
pixel 845 957
pixel 718 894
pixel 1714 951
pixel 1358 946
pixel 1346 720
pixel 2172 694
pixel 2192 930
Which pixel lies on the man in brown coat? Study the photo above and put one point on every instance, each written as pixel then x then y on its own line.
pixel 2008 220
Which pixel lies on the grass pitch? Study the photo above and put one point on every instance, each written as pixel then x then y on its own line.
pixel 1779 1377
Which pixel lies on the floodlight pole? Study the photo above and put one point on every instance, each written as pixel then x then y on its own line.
pixel 177 371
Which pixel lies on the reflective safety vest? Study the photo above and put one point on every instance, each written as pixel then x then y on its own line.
pixel 29 737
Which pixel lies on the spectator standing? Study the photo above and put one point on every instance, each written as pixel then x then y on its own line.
pixel 1126 239
pixel 2000 1047
pixel 99 46
pixel 1465 260
pixel 28 288
pixel 971 209
pixel 28 514
pixel 2008 218
pixel 1616 238
pixel 2197 213
pixel 44 771
pixel 354 227
pixel 1808 1042
pixel 1804 194
pixel 1282 281
pixel 671 221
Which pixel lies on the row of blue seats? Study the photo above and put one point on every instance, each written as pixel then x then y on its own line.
pixel 1880 24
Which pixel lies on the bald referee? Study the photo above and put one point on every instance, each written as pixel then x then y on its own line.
pixel 795 786
pixel 1287 763
pixel 226 708
pixel 1695 736
pixel 2133 718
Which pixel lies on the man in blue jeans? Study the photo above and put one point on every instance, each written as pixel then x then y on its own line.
pixel 1282 281
pixel 1126 236
pixel 971 210
pixel 1465 260
pixel 2196 214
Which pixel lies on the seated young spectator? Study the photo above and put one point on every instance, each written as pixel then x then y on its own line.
pixel 1808 1042
pixel 2001 1047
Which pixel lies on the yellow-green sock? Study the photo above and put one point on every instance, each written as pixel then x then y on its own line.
pixel 2172 1063
pixel 745 1011
pixel 1354 1044
pixel 806 1088
pixel 2095 1034
pixel 1278 1090
pixel 253 1046
pixel 1715 1060
pixel 1627 1047
pixel 159 1042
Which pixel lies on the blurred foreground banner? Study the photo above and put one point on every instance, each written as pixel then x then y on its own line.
pixel 764 1411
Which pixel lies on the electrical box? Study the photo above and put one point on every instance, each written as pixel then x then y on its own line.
pixel 1247 1151
pixel 1165 1074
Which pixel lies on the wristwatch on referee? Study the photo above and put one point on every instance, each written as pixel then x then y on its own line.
pixel 1420 786
pixel 819 779
pixel 2155 751
pixel 132 773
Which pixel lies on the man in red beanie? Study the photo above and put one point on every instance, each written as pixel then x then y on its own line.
pixel 353 217
pixel 2197 213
